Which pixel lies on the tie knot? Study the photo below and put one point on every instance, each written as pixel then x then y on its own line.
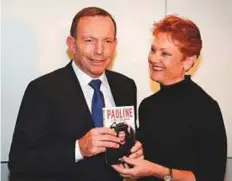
pixel 95 84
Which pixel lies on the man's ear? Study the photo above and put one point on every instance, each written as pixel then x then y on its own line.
pixel 116 42
pixel 115 47
pixel 189 62
pixel 70 41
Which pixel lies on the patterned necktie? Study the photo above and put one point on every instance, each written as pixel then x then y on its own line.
pixel 97 103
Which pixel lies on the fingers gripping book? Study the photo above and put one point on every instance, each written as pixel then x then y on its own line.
pixel 122 121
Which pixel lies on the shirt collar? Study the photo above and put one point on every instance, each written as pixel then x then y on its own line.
pixel 85 79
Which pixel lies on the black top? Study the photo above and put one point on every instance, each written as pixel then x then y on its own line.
pixel 181 127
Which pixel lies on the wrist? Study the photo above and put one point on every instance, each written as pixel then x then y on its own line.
pixel 78 154
pixel 168 176
pixel 160 171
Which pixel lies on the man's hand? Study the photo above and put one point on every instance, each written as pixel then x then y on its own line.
pixel 97 140
pixel 137 151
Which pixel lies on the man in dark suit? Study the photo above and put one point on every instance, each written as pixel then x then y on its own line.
pixel 56 135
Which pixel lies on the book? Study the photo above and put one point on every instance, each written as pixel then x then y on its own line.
pixel 122 121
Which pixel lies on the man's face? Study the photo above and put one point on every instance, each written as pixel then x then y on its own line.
pixel 94 45
pixel 122 136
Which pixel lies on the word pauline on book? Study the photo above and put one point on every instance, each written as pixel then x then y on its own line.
pixel 123 113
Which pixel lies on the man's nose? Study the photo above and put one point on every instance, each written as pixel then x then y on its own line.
pixel 99 48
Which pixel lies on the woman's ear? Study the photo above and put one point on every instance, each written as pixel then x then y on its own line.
pixel 70 41
pixel 189 62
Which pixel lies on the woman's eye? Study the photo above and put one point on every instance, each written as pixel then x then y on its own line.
pixel 153 50
pixel 166 54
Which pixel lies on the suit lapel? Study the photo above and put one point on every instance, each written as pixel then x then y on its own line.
pixel 78 106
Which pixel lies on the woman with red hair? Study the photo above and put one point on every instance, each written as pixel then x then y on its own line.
pixel 181 126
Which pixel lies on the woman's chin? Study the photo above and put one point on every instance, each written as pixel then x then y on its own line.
pixel 156 76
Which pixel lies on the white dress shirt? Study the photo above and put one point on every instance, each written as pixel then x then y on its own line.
pixel 84 80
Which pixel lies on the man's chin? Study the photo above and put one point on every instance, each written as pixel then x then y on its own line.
pixel 97 73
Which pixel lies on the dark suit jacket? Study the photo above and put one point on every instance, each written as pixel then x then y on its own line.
pixel 52 116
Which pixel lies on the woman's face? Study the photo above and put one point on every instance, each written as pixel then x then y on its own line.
pixel 166 62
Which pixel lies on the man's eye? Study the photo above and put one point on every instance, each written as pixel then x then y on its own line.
pixel 109 41
pixel 89 41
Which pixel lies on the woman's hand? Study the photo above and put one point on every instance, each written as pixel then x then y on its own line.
pixel 140 168
pixel 137 151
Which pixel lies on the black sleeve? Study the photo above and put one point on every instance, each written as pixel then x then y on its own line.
pixel 34 147
pixel 142 118
pixel 212 145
